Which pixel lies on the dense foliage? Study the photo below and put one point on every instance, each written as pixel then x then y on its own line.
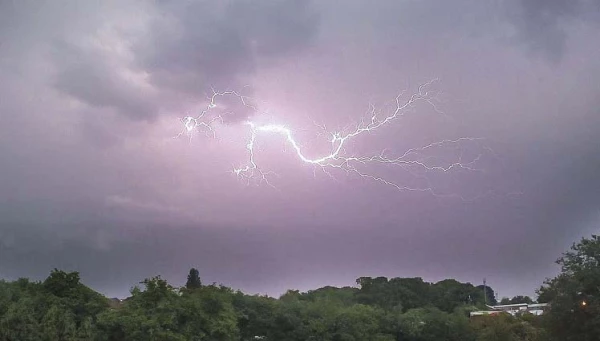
pixel 378 309
pixel 575 293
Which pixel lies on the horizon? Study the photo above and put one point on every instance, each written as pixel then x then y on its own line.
pixel 181 284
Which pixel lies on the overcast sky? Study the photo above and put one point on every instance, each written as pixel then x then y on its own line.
pixel 92 180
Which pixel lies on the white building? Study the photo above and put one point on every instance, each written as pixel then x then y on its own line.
pixel 513 309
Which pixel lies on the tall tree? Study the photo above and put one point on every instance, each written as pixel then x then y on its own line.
pixel 193 279
pixel 61 283
pixel 574 295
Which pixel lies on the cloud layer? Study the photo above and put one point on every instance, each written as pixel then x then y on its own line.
pixel 177 51
pixel 93 180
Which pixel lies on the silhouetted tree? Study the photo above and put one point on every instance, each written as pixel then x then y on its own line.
pixel 574 295
pixel 193 279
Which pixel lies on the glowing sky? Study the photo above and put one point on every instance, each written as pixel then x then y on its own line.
pixel 92 179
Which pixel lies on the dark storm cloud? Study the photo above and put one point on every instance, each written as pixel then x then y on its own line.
pixel 189 47
pixel 543 24
pixel 90 79
pixel 93 181
pixel 201 43
pixel 564 183
pixel 127 253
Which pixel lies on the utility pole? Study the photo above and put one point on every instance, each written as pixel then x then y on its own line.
pixel 484 292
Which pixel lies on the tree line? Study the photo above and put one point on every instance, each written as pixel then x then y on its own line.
pixel 377 309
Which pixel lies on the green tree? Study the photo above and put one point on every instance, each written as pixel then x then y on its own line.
pixel 20 322
pixel 58 324
pixel 449 294
pixel 343 296
pixel 431 324
pixel 574 294
pixel 208 314
pixel 256 315
pixel 148 315
pixel 374 291
pixel 505 327
pixel 358 323
pixel 61 283
pixel 77 301
pixel 193 279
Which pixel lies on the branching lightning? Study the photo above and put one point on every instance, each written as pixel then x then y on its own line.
pixel 416 161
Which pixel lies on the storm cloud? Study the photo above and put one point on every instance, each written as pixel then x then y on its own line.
pixel 93 180
pixel 544 26
pixel 179 51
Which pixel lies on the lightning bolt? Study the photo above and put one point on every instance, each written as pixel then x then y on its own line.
pixel 202 122
pixel 416 161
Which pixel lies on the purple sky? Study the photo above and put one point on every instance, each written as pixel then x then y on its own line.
pixel 92 180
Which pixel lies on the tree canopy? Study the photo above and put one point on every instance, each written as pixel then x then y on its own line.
pixel 575 293
pixel 377 309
